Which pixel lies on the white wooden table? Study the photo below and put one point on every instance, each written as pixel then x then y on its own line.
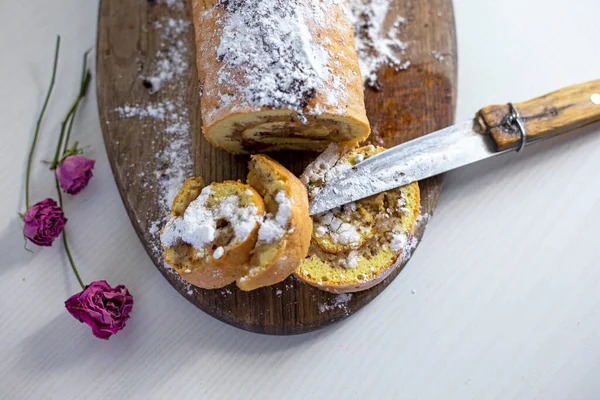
pixel 500 301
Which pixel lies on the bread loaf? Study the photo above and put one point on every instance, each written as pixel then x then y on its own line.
pixel 278 74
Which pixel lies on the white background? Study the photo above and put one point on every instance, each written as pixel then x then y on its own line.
pixel 506 280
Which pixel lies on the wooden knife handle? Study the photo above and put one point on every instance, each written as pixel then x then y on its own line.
pixel 543 117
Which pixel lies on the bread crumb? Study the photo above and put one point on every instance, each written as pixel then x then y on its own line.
pixel 352 261
pixel 218 252
pixel 339 302
pixel 399 241
pixel 340 231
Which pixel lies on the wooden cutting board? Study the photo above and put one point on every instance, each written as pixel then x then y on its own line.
pixel 134 36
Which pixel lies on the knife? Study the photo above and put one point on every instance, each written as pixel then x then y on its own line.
pixel 495 130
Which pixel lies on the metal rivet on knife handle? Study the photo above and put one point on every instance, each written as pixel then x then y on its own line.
pixel 543 117
pixel 516 119
pixel 595 98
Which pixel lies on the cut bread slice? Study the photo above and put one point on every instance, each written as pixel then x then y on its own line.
pixel 356 246
pixel 211 232
pixel 284 234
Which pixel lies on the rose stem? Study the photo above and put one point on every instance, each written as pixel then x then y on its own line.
pixel 67 123
pixel 64 236
pixel 83 86
pixel 71 260
pixel 70 115
pixel 39 122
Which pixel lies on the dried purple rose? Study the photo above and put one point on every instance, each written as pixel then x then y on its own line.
pixel 74 173
pixel 43 222
pixel 102 307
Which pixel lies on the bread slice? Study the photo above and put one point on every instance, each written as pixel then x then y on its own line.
pixel 356 246
pixel 211 232
pixel 284 235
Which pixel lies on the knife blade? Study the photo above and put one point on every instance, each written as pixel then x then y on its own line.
pixel 495 130
pixel 421 158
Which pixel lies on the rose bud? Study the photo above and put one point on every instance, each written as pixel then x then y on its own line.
pixel 74 173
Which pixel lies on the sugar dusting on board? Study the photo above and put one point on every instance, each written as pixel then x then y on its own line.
pixel 166 121
pixel 376 46
pixel 176 4
pixel 340 302
pixel 172 62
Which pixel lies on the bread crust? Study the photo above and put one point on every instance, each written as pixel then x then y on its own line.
pixel 292 248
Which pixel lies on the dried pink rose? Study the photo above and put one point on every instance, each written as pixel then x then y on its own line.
pixel 74 173
pixel 43 222
pixel 102 307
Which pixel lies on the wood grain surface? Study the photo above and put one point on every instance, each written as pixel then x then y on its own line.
pixel 411 103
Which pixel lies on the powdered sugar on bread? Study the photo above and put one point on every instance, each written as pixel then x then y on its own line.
pixel 198 226
pixel 273 228
pixel 340 231
pixel 318 169
pixel 219 251
pixel 270 41
pixel 328 166
pixel 399 241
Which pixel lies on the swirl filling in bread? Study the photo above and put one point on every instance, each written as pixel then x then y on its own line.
pixel 212 231
pixel 355 246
